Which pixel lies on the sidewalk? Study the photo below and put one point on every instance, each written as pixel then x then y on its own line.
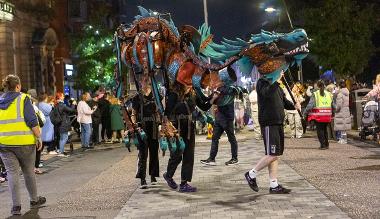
pixel 76 148
pixel 224 193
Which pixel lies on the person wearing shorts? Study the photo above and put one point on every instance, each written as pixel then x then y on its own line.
pixel 271 102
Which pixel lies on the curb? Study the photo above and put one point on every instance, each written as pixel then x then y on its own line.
pixel 357 138
pixel 80 150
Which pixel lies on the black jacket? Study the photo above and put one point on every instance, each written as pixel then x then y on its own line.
pixel 97 115
pixel 226 112
pixel 65 113
pixel 174 106
pixel 272 102
pixel 104 107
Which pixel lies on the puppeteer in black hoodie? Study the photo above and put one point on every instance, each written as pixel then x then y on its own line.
pixel 29 115
pixel 272 102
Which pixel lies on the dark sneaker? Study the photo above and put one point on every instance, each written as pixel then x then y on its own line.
pixel 187 188
pixel 40 201
pixel 233 161
pixel 251 182
pixel 279 190
pixel 153 180
pixel 16 210
pixel 143 185
pixel 209 162
pixel 171 183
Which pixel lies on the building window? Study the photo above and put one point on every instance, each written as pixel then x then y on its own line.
pixel 51 3
pixel 78 9
pixel 75 9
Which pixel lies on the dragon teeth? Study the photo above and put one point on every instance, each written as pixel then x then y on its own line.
pixel 302 48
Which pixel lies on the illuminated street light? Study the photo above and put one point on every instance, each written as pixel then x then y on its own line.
pixel 270 10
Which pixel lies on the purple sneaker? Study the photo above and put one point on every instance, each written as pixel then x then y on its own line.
pixel 171 183
pixel 187 188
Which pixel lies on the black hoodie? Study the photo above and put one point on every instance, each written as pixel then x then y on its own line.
pixel 272 102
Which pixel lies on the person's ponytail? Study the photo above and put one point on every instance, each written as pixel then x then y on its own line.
pixel 10 82
pixel 321 86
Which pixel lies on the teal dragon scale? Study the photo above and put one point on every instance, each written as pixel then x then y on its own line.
pixel 153 47
pixel 271 52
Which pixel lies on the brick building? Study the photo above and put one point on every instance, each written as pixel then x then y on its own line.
pixel 27 43
pixel 34 40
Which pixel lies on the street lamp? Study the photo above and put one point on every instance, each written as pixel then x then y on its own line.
pixel 270 10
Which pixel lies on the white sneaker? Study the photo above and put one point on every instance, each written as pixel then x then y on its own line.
pixel 62 155
pixel 53 153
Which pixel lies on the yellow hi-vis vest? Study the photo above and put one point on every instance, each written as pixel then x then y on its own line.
pixel 13 129
pixel 322 112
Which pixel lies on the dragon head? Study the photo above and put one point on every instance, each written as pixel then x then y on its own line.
pixel 273 53
pixel 270 52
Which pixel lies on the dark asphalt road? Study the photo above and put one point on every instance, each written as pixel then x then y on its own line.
pixel 86 185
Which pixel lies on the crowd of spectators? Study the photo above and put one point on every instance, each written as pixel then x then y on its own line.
pixel 94 119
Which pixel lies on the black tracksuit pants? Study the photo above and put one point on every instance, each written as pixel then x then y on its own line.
pixel 106 128
pixel 187 156
pixel 323 136
pixel 95 133
pixel 152 149
pixel 221 126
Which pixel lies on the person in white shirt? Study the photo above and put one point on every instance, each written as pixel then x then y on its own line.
pixel 255 112
pixel 85 120
pixel 294 119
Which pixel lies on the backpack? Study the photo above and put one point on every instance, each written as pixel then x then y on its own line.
pixel 55 116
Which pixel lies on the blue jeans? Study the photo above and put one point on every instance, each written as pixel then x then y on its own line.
pixel 338 135
pixel 62 141
pixel 85 134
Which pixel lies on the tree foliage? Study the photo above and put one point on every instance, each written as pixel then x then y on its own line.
pixel 93 49
pixel 341 33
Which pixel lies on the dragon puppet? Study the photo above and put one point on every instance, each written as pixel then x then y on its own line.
pixel 152 46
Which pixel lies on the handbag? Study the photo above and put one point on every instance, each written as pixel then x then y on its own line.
pixel 40 121
pixel 55 116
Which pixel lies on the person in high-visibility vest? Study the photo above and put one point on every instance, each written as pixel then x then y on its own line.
pixel 319 109
pixel 19 139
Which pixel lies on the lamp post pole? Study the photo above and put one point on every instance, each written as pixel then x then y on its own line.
pixel 287 13
pixel 299 74
pixel 205 11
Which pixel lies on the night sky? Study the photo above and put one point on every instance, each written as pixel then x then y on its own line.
pixel 227 18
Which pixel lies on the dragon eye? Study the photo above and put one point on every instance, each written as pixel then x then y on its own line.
pixel 301 37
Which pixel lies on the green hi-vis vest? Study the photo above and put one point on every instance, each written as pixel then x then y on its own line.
pixel 13 129
pixel 322 112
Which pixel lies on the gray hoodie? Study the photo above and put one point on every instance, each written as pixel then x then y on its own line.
pixel 29 115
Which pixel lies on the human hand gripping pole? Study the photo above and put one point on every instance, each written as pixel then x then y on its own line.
pixel 134 130
pixel 296 104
